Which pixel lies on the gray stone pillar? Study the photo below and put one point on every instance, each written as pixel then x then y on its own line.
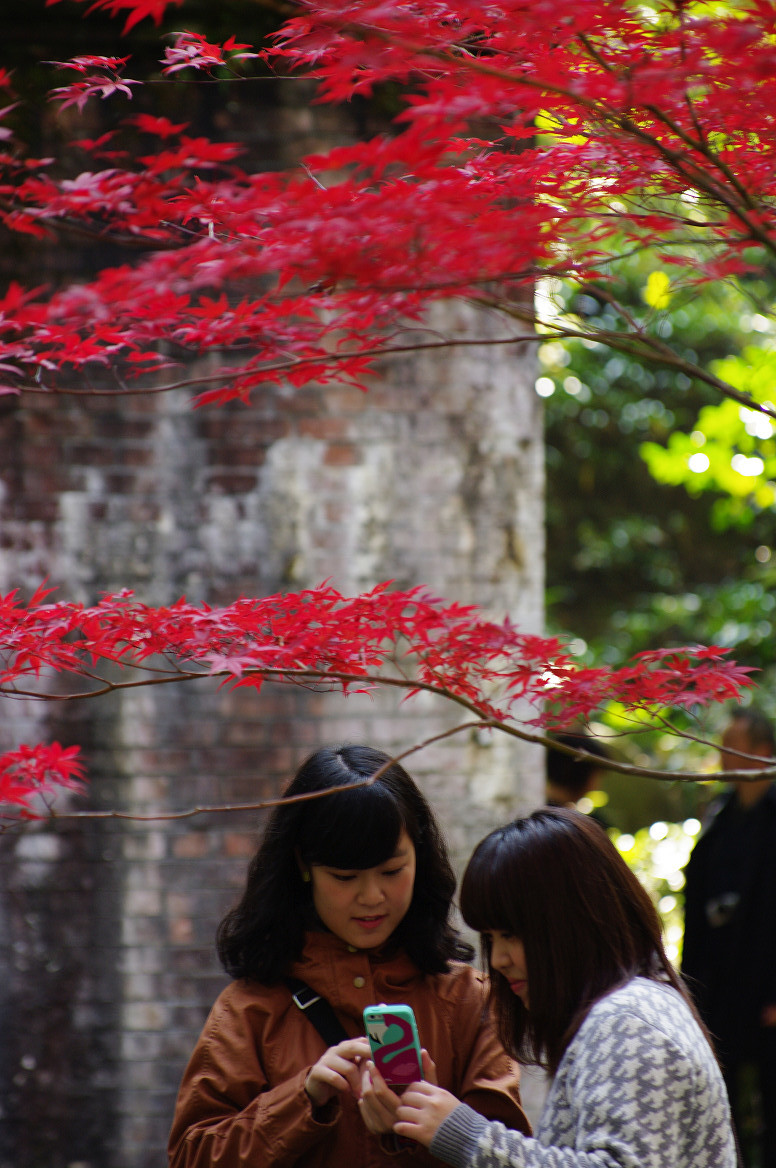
pixel 434 476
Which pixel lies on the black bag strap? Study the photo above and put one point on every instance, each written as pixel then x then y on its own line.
pixel 317 1010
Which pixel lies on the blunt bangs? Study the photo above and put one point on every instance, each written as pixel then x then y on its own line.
pixel 351 829
pixel 490 894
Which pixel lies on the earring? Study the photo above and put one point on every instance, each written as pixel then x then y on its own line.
pixel 306 876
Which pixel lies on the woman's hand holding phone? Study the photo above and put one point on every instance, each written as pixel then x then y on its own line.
pixel 338 1069
pixel 379 1104
pixel 423 1107
pixel 396 1053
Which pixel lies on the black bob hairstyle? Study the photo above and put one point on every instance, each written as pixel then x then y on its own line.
pixel 556 882
pixel 359 827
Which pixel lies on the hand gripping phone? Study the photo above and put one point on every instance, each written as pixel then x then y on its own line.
pixel 393 1037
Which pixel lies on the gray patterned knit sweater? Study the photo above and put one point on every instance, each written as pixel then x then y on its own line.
pixel 638 1087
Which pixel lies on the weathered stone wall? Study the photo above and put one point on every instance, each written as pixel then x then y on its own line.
pixel 106 926
pixel 433 477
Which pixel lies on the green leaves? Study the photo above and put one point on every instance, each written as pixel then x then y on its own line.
pixel 731 448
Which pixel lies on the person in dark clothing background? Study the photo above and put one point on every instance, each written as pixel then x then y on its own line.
pixel 729 955
pixel 569 779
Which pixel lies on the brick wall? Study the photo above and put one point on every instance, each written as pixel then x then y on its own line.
pixel 106 926
pixel 434 478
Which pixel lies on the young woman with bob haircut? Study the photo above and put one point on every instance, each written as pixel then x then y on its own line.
pixel 351 893
pixel 581 986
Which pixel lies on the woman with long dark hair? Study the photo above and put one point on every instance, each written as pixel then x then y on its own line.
pixel 350 892
pixel 581 986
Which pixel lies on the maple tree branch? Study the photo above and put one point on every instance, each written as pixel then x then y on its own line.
pixel 545 211
pixel 700 144
pixel 331 678
pixel 263 804
pixel 81 229
pixel 711 155
pixel 680 733
pixel 284 367
pixel 577 753
pixel 695 175
pixel 635 346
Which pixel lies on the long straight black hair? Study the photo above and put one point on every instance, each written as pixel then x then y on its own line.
pixel 556 882
pixel 356 828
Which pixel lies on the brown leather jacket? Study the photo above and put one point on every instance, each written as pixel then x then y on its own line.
pixel 242 1102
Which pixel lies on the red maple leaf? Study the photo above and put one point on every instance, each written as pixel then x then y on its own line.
pixel 160 127
pixel 192 51
pixel 138 9
pixel 82 64
pixel 34 774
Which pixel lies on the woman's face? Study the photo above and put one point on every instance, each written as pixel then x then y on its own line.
pixel 507 957
pixel 363 906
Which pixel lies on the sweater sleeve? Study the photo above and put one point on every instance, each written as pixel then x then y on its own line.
pixel 223 1119
pixel 632 1100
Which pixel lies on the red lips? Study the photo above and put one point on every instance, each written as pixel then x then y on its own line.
pixel 369 922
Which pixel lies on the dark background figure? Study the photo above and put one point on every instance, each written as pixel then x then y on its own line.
pixel 570 779
pixel 729 957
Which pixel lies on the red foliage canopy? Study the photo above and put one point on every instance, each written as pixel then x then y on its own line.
pixel 600 129
pixel 388 637
pixel 610 129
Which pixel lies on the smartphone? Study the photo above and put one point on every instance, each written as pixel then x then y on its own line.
pixel 393 1037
